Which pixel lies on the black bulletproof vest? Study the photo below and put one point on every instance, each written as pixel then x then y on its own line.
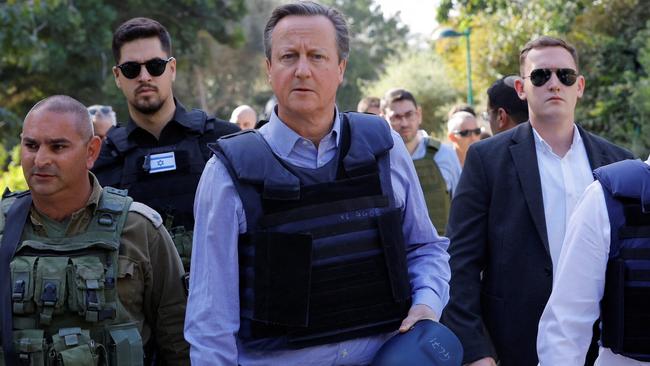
pixel 323 259
pixel 625 307
pixel 172 192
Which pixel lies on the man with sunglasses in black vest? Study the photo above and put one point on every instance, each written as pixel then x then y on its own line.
pixel 510 209
pixel 160 153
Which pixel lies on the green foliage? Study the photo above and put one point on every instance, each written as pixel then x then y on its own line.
pixel 8 122
pixel 12 177
pixel 423 74
pixel 64 46
pixel 233 75
pixel 373 40
pixel 610 36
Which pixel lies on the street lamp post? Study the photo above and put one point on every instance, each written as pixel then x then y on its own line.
pixel 447 33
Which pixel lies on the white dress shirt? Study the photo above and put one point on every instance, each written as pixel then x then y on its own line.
pixel 565 329
pixel 563 179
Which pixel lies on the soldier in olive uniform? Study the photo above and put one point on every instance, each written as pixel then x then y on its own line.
pixel 94 278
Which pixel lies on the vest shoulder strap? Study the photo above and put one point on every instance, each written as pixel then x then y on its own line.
pixel 433 144
pixel 201 118
pixel 16 217
pixel 8 199
pixel 117 140
pixel 627 179
pixel 370 137
pixel 111 210
pixel 250 159
pixel 208 135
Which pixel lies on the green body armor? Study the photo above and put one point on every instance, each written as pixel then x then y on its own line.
pixel 434 186
pixel 66 309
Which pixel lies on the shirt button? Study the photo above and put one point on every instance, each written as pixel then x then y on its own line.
pixel 344 353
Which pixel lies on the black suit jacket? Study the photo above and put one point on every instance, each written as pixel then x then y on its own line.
pixel 497 226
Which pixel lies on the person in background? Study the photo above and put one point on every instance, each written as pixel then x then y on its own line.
pixel 435 163
pixel 103 119
pixel 505 109
pixel 462 131
pixel 159 154
pixel 369 105
pixel 244 116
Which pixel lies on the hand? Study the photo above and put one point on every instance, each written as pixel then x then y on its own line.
pixel 417 312
pixel 485 361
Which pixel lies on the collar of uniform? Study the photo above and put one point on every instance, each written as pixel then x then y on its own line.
pixel 181 116
pixel 542 145
pixel 282 139
pixel 84 213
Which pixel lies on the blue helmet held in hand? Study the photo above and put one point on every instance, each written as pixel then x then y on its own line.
pixel 427 343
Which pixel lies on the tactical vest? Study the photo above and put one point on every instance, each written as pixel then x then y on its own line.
pixel 625 307
pixel 170 192
pixel 322 260
pixel 66 309
pixel 434 186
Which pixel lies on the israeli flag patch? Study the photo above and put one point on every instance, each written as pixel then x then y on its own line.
pixel 162 162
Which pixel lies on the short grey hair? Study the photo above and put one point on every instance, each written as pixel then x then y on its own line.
pixel 310 8
pixel 63 104
pixel 457 119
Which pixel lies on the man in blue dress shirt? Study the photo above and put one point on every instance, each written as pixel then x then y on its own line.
pixel 312 243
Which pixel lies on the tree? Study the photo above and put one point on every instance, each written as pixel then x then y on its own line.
pixel 373 40
pixel 424 74
pixel 64 46
pixel 607 34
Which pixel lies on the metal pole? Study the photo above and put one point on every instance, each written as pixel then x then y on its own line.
pixel 470 97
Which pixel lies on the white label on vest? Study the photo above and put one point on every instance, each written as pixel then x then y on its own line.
pixel 162 162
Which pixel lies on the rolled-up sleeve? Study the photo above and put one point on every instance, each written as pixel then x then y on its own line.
pixel 427 256
pixel 212 318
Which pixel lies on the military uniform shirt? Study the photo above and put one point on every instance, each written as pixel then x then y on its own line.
pixel 149 273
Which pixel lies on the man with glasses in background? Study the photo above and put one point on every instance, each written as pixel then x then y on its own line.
pixel 103 119
pixel 161 151
pixel 435 163
pixel 509 213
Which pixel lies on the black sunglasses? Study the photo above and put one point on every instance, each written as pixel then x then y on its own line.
pixel 105 110
pixel 465 133
pixel 540 77
pixel 155 67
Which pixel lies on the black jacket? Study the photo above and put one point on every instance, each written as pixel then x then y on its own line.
pixel 501 269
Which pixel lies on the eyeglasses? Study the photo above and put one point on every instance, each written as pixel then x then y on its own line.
pixel 104 109
pixel 465 133
pixel 540 77
pixel 398 117
pixel 486 116
pixel 155 67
